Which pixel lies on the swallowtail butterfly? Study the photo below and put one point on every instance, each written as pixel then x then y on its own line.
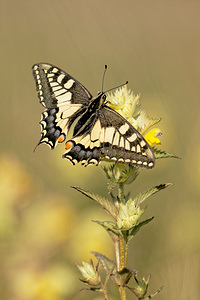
pixel 99 131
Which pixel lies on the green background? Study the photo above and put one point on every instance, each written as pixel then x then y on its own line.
pixel 45 225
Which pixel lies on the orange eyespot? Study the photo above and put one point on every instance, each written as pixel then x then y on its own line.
pixel 68 145
pixel 61 138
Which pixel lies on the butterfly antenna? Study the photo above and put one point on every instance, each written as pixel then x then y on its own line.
pixel 36 147
pixel 116 87
pixel 103 77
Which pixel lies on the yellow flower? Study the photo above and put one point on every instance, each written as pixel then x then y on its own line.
pixel 89 273
pixel 152 137
pixel 128 105
pixel 129 214
pixel 125 103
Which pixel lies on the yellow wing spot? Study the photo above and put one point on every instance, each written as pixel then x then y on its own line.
pixel 150 164
pixel 96 131
pixel 138 148
pixel 86 141
pixel 116 139
pixel 121 144
pixel 114 158
pixel 133 137
pixel 127 145
pixel 123 129
pixel 133 149
pixel 109 132
pixel 142 143
pixel 127 160
pixel 120 160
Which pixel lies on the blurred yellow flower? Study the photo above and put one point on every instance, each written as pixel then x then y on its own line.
pixel 15 181
pixel 88 236
pixel 54 283
pixel 15 187
pixel 50 223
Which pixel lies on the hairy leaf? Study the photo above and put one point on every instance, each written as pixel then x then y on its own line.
pixel 136 228
pixel 108 264
pixel 162 154
pixel 110 228
pixel 144 122
pixel 105 203
pixel 143 196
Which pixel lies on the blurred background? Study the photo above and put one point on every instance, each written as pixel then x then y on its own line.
pixel 45 226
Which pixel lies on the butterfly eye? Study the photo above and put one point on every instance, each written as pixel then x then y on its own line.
pixel 104 97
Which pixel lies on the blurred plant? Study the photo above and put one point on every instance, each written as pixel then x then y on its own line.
pixel 125 211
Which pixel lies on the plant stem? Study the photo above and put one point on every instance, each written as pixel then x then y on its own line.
pixel 117 255
pixel 126 255
pixel 121 252
pixel 122 292
pixel 121 245
pixel 121 192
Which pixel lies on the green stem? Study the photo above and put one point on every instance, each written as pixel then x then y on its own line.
pixel 126 255
pixel 121 241
pixel 104 287
pixel 121 192
pixel 105 294
pixel 122 255
pixel 122 292
pixel 117 255
pixel 121 252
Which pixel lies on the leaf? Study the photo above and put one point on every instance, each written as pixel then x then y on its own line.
pixel 162 154
pixel 136 228
pixel 110 175
pixel 108 264
pixel 143 196
pixel 112 184
pixel 119 173
pixel 105 203
pixel 109 227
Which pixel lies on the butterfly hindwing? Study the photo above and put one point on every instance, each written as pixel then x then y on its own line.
pixel 112 137
pixel 64 99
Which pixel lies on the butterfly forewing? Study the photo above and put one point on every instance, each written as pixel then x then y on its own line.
pixel 64 98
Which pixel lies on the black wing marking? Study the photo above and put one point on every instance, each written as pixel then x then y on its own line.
pixel 64 98
pixel 111 137
pixel 121 142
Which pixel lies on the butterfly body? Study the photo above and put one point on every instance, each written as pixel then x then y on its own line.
pixel 99 131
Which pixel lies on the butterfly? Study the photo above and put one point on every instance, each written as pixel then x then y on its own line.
pixel 99 132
